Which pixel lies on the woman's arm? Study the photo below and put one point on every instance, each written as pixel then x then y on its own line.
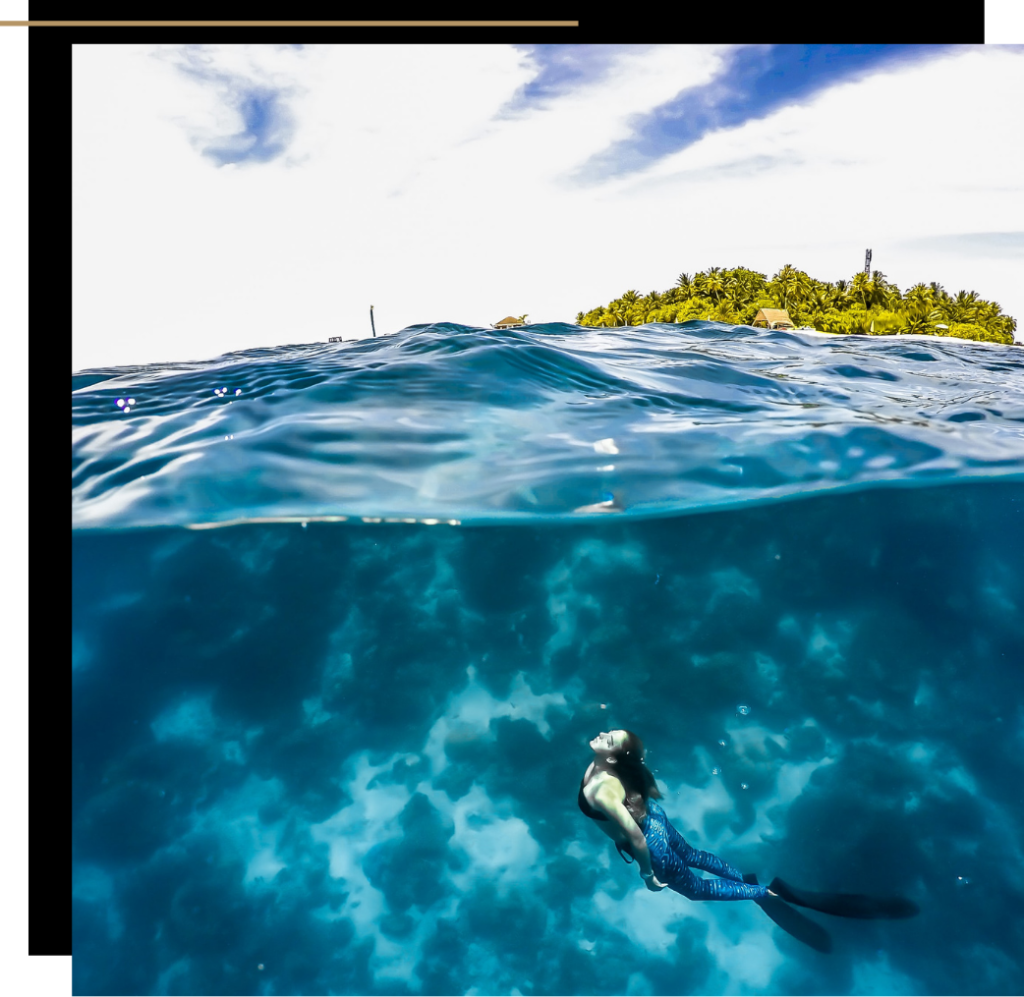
pixel 610 797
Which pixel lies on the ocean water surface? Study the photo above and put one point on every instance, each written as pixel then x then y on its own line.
pixel 345 617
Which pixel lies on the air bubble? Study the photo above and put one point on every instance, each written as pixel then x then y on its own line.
pixel 131 401
pixel 714 772
pixel 238 391
pixel 120 403
pixel 722 743
pixel 743 785
pixel 742 710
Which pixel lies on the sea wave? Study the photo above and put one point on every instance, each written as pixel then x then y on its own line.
pixel 446 422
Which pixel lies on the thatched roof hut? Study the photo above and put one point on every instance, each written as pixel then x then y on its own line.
pixel 773 318
pixel 508 322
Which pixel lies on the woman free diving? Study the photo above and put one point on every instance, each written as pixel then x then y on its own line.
pixel 619 792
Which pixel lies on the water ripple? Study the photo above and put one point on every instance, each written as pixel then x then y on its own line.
pixel 450 422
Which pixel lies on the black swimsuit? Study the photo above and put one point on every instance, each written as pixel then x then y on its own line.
pixel 633 803
pixel 586 807
pixel 623 847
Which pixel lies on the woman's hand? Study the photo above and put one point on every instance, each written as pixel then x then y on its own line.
pixel 652 883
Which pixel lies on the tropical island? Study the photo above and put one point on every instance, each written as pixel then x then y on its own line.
pixel 866 304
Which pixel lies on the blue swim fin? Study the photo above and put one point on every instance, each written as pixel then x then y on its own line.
pixel 846 904
pixel 794 923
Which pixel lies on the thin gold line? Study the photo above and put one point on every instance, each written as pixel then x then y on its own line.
pixel 289 24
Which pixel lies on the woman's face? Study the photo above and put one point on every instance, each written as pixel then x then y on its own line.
pixel 608 741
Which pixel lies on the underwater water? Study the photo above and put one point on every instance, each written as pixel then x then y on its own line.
pixel 316 751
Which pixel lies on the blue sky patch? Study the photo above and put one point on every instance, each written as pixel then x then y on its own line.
pixel 755 81
pixel 268 124
pixel 268 129
pixel 565 68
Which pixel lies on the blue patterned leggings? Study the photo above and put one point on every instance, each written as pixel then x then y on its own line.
pixel 672 858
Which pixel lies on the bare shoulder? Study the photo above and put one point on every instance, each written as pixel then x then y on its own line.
pixel 605 788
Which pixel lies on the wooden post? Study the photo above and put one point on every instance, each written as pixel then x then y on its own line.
pixel 372 326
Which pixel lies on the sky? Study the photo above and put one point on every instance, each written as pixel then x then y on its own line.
pixel 228 197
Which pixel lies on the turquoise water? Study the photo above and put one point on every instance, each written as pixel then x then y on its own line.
pixel 316 751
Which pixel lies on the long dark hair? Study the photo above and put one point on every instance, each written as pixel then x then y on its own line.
pixel 636 778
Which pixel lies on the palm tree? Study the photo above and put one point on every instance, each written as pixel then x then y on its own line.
pixel 752 282
pixel 736 294
pixel 918 314
pixel 962 308
pixel 650 305
pixel 818 302
pixel 629 302
pixel 723 312
pixel 714 285
pixel 846 306
pixel 714 273
pixel 919 294
pixel 522 318
pixel 882 292
pixel 685 284
pixel 830 296
pixel 860 289
pixel 790 286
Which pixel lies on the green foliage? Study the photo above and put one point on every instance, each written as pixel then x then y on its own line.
pixel 884 323
pixel 867 304
pixel 967 330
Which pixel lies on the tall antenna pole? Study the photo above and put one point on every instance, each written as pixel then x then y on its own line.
pixel 374 328
pixel 867 263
